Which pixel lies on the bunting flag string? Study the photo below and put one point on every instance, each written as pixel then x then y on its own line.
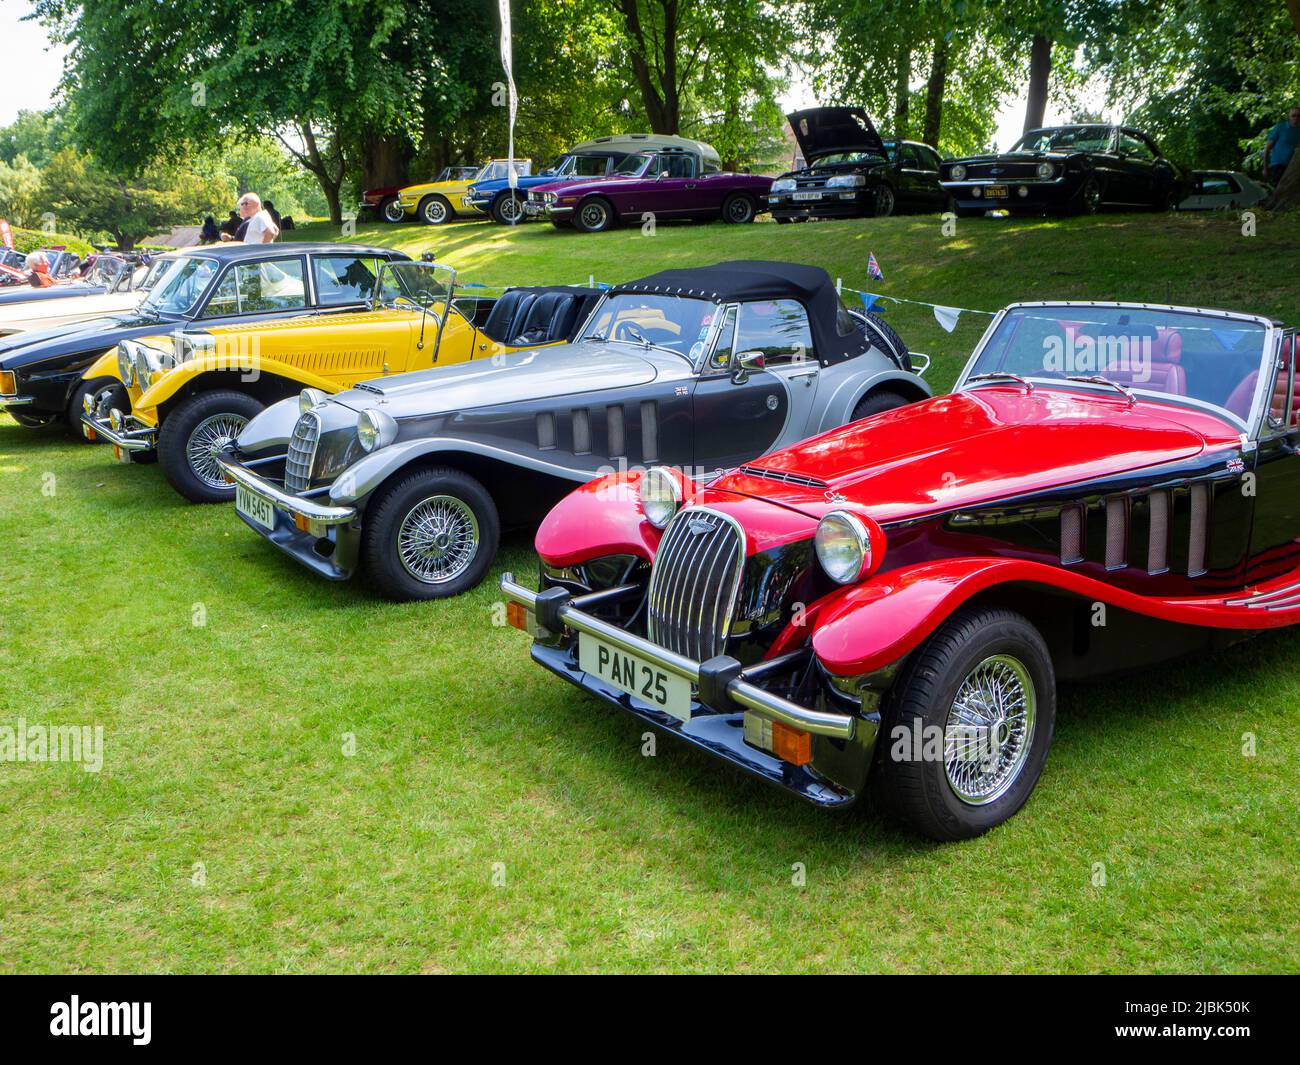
pixel 946 316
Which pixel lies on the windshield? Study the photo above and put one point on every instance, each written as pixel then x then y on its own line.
pixel 499 168
pixel 178 290
pixel 836 158
pixel 1202 357
pixel 1069 139
pixel 106 270
pixel 677 323
pixel 634 164
pixel 414 285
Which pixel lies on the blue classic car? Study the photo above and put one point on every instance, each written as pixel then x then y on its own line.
pixel 590 159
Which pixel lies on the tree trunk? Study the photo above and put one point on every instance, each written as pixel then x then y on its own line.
pixel 1040 72
pixel 659 91
pixel 902 91
pixel 328 173
pixel 1293 6
pixel 934 93
pixel 1287 194
pixel 383 162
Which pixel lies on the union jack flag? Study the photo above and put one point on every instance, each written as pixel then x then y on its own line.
pixel 873 268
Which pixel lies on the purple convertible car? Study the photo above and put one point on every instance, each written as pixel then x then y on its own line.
pixel 665 182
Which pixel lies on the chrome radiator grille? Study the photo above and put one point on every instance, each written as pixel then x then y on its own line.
pixel 302 453
pixel 694 583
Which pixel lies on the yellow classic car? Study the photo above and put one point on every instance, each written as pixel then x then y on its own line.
pixel 189 391
pixel 434 203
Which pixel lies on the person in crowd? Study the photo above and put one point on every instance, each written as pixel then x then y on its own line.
pixel 231 225
pixel 1283 140
pixel 39 265
pixel 260 229
pixel 269 207
pixel 210 234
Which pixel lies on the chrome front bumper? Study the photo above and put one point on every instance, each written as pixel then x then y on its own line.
pixel 144 438
pixel 239 474
pixel 740 690
pixel 15 401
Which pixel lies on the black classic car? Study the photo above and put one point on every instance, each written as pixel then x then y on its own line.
pixel 851 172
pixel 41 371
pixel 414 475
pixel 1072 169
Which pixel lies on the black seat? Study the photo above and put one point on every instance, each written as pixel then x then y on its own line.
pixel 508 314
pixel 546 319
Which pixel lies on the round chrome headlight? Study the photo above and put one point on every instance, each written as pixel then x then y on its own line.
pixel 957 173
pixel 308 398
pixel 1045 171
pixel 125 368
pixel 661 496
pixel 844 548
pixel 375 429
pixel 142 365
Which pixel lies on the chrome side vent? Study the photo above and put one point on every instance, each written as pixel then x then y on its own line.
pixel 1158 532
pixel 694 583
pixel 614 425
pixel 301 453
pixel 1198 538
pixel 1071 535
pixel 582 431
pixel 649 430
pixel 546 431
pixel 1116 532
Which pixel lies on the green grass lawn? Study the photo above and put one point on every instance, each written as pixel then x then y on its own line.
pixel 299 777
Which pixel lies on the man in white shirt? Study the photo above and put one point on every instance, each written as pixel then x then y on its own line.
pixel 258 228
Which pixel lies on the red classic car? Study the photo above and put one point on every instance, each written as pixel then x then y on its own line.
pixel 890 604
pixel 664 183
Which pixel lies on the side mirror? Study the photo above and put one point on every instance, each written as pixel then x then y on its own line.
pixel 742 364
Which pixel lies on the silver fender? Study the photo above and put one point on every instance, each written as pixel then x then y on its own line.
pixel 837 408
pixel 363 477
pixel 272 428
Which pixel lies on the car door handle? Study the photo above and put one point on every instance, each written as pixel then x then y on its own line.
pixel 808 375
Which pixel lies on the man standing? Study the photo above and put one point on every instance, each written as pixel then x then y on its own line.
pixel 1283 140
pixel 260 229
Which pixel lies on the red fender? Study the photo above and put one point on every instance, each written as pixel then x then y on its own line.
pixel 879 622
pixel 603 517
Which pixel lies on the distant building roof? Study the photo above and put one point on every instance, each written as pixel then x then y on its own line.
pixel 179 237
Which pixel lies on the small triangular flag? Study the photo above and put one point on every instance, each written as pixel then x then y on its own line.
pixel 947 317
pixel 873 268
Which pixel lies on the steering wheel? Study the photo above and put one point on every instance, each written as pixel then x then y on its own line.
pixel 629 329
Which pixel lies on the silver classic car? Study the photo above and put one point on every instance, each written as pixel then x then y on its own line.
pixel 703 369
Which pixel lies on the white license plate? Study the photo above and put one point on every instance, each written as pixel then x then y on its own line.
pixel 251 505
pixel 634 675
pixel 807 196
pixel 996 192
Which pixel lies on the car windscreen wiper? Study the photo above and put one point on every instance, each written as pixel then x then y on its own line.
pixel 1097 379
pixel 1001 375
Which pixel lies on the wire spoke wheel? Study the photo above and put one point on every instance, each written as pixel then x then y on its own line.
pixel 989 730
pixel 438 539
pixel 212 433
pixel 512 209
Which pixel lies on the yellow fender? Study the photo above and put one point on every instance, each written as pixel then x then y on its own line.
pixel 104 366
pixel 176 379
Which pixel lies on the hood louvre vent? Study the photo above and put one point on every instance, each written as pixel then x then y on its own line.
pixel 582 431
pixel 784 478
pixel 649 430
pixel 614 425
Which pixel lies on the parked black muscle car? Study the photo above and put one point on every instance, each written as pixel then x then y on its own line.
pixel 41 370
pixel 851 172
pixel 1075 169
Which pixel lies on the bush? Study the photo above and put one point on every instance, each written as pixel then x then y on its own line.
pixel 26 240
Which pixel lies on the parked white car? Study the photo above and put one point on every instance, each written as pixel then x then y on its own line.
pixel 113 285
pixel 1223 188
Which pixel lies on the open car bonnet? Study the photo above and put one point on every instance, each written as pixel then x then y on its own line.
pixel 966 449
pixel 828 130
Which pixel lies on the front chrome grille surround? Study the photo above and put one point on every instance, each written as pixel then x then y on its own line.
pixel 695 581
pixel 302 453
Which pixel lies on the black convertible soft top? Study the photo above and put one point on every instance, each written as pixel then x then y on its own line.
pixel 763 279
